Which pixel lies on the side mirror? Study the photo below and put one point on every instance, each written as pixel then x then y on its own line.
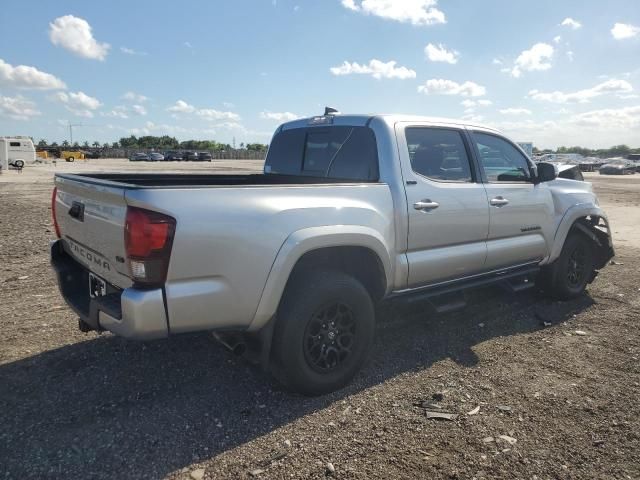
pixel 547 172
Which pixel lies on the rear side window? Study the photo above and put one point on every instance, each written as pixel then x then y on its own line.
pixel 14 144
pixel 439 154
pixel 348 153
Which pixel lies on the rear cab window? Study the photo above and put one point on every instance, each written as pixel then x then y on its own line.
pixel 336 152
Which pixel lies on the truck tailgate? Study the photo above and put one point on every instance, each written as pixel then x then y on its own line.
pixel 91 218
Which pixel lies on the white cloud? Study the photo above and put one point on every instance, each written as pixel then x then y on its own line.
pixel 139 110
pixel 131 51
pixel 473 118
pixel 449 87
pixel 279 116
pixel 610 87
pixel 181 107
pixel 122 111
pixel 467 103
pixel 622 31
pixel 376 69
pixel 211 114
pixel 515 111
pixel 187 44
pixel 610 118
pixel 537 58
pixel 78 103
pixel 74 34
pixel 416 12
pixel 134 97
pixel 496 61
pixel 18 108
pixel 439 53
pixel 557 39
pixel 119 111
pixel 571 23
pixel 208 113
pixel 25 77
pixel 570 55
pixel 228 105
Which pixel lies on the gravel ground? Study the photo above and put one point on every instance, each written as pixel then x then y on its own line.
pixel 557 383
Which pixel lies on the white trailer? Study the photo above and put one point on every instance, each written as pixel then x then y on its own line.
pixel 16 152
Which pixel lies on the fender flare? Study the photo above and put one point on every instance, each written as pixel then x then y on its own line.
pixel 306 240
pixel 571 215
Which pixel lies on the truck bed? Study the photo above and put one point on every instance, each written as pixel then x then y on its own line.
pixel 179 180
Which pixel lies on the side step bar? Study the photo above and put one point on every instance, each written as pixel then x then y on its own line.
pixel 450 296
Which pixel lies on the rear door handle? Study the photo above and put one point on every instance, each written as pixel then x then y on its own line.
pixel 499 201
pixel 425 205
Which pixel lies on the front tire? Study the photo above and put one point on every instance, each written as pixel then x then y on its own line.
pixel 569 275
pixel 324 332
pixel 70 159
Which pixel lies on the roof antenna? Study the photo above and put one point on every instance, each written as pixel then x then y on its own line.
pixel 330 111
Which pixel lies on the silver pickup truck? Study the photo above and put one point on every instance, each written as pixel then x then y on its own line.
pixel 350 210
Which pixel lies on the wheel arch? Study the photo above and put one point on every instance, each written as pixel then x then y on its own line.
pixel 359 250
pixel 590 221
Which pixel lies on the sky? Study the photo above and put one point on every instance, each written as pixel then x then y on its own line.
pixel 548 71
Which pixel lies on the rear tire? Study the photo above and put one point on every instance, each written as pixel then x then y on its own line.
pixel 324 332
pixel 571 272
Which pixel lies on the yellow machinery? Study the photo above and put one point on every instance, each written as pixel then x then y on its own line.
pixel 72 155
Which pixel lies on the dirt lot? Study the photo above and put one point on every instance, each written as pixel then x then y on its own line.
pixel 553 403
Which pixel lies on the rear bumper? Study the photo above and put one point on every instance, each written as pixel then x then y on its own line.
pixel 130 313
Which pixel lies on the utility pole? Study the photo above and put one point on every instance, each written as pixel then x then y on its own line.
pixel 71 125
pixel 234 143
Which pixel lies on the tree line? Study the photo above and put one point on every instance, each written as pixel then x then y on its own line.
pixel 163 142
pixel 615 151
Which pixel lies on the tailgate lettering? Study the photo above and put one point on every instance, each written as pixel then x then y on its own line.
pixel 91 257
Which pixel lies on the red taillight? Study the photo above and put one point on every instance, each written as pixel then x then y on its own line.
pixel 54 197
pixel 148 237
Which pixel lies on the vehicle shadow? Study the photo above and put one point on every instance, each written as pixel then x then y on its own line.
pixel 108 407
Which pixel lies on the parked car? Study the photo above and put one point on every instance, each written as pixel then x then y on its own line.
pixel 192 156
pixel 93 154
pixel 618 167
pixel 173 156
pixel 139 157
pixel 350 211
pixel 634 158
pixel 204 157
pixel 156 157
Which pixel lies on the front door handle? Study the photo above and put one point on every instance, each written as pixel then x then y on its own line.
pixel 425 205
pixel 499 201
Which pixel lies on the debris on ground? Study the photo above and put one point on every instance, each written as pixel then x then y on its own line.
pixel 330 468
pixel 580 333
pixel 197 474
pixel 441 415
pixel 508 439
pixel 474 411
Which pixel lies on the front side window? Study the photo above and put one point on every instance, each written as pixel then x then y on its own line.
pixel 438 154
pixel 500 160
pixel 14 144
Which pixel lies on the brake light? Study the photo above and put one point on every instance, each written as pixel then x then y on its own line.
pixel 148 237
pixel 54 197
